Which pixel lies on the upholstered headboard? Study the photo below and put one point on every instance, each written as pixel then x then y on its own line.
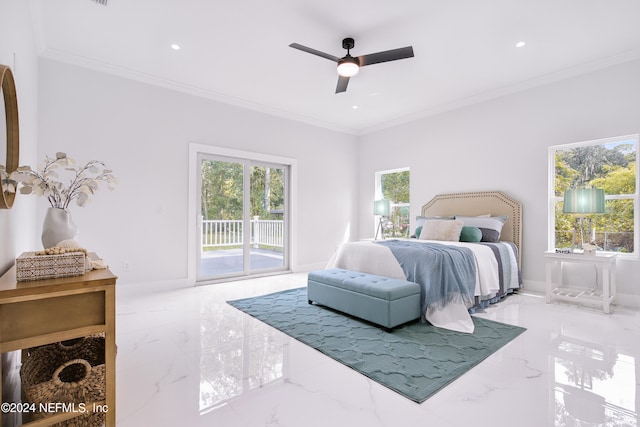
pixel 481 203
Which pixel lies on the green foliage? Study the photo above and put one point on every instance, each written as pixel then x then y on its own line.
pixel 267 191
pixel 395 187
pixel 618 180
pixel 565 174
pixel 222 190
pixel 589 162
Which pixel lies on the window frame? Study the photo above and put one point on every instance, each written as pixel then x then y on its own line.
pixel 553 199
pixel 195 149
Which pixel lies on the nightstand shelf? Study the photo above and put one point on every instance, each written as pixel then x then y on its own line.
pixel 571 293
pixel 603 297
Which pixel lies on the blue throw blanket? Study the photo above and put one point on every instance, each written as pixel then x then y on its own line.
pixel 444 273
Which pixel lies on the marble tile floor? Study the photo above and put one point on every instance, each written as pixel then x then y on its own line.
pixel 186 358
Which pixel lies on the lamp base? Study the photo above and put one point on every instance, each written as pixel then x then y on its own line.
pixel 380 229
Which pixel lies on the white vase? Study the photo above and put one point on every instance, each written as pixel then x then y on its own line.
pixel 58 226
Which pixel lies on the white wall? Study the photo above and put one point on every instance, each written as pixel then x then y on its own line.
pixel 143 133
pixel 502 145
pixel 18 51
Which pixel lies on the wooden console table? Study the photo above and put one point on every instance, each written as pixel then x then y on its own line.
pixel 41 312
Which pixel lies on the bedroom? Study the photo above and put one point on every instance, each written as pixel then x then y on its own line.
pixel 134 126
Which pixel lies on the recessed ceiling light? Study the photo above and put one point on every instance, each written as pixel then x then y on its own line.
pixel 355 107
pixel 175 47
pixel 520 44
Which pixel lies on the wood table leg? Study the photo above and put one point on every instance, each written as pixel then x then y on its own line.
pixel 110 357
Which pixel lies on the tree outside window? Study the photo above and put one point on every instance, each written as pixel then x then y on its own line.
pixel 610 165
pixel 393 185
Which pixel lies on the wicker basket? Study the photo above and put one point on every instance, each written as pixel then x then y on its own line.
pixel 70 373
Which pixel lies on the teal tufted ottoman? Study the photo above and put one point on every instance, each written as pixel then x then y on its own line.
pixel 380 300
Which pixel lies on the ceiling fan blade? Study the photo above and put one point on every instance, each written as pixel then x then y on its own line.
pixel 387 55
pixel 342 84
pixel 314 52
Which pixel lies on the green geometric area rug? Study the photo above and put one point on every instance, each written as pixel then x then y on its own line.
pixel 415 360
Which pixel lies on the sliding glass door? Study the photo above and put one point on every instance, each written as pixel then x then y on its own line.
pixel 243 222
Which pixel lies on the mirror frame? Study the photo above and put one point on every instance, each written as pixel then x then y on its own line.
pixel 13 137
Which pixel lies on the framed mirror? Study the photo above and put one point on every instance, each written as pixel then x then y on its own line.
pixel 11 143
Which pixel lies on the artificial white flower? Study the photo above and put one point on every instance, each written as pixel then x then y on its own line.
pixel 44 181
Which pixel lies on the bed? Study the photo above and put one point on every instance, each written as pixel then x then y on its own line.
pixel 455 276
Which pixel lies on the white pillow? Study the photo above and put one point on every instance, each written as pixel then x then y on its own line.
pixel 446 230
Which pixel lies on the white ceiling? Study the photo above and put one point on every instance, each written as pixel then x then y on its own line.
pixel 237 51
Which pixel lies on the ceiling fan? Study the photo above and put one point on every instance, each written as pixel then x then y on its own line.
pixel 348 66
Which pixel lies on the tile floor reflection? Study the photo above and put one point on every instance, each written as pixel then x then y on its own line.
pixel 187 358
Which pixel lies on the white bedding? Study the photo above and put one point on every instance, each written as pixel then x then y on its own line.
pixel 369 257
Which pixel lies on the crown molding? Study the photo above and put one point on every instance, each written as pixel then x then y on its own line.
pixel 151 79
pixel 586 68
pixel 36 23
pixel 155 80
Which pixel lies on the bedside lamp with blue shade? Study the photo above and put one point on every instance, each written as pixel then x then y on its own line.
pixel 381 208
pixel 581 201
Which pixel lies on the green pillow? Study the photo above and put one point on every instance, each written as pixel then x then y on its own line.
pixel 470 234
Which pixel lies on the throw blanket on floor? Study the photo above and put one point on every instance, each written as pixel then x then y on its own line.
pixel 444 273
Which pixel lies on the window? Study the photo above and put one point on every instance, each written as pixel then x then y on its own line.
pixel 393 185
pixel 241 204
pixel 243 217
pixel 608 164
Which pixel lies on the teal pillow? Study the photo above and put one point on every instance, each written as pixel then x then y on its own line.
pixel 491 227
pixel 418 231
pixel 470 234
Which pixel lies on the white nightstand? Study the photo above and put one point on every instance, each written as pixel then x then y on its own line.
pixel 603 297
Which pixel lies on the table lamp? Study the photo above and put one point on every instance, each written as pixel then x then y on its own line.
pixel 383 209
pixel 581 201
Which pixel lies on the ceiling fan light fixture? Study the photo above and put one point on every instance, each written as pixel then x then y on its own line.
pixel 348 66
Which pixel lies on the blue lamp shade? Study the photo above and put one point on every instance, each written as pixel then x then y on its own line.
pixel 382 207
pixel 584 201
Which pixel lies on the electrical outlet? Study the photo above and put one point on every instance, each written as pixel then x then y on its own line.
pixel 126 266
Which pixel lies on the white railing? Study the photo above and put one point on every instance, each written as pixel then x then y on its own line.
pixel 221 233
pixel 267 232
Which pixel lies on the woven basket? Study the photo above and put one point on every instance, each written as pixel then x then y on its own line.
pixel 70 372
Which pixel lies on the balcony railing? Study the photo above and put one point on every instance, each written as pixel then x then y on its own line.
pixel 611 241
pixel 227 233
